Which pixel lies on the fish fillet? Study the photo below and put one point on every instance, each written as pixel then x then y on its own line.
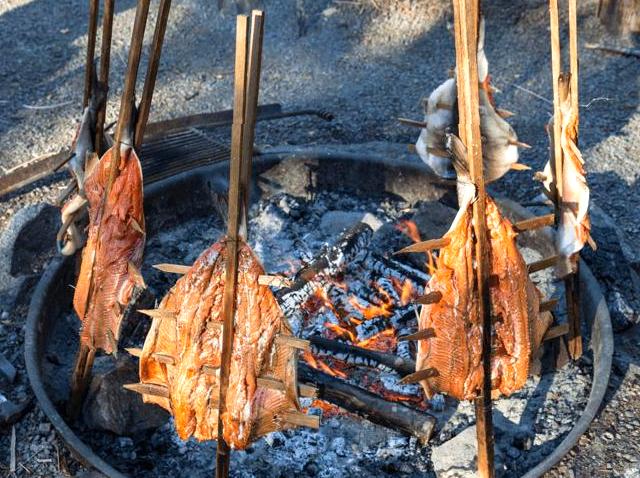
pixel 190 333
pixel 455 350
pixel 113 254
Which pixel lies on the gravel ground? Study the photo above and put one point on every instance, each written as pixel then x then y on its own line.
pixel 366 64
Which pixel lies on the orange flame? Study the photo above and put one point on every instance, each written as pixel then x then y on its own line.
pixel 409 228
pixel 322 366
pixel 384 341
pixel 341 332
pixel 371 311
pixel 405 290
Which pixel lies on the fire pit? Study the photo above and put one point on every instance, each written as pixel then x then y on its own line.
pixel 342 210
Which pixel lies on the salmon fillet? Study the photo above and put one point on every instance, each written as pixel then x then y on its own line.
pixel 455 350
pixel 188 330
pixel 113 254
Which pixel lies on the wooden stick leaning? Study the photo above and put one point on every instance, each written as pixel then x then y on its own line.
pixel 466 16
pixel 91 49
pixel 84 361
pixel 105 60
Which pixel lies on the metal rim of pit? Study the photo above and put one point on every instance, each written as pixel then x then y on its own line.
pixel 593 305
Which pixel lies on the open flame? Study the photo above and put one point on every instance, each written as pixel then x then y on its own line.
pixel 409 228
pixel 384 341
pixel 318 364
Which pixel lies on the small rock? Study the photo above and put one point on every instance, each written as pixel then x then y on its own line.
pixel 125 442
pixel 44 428
pixel 7 370
pixel 328 12
pixel 334 222
pixel 5 315
pixel 110 407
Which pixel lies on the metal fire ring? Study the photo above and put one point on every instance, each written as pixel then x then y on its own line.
pixel 393 172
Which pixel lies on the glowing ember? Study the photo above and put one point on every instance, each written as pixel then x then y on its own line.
pixel 409 228
pixel 406 290
pixel 341 332
pixel 322 366
pixel 384 341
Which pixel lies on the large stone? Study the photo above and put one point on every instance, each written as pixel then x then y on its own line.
pixel 110 407
pixel 334 222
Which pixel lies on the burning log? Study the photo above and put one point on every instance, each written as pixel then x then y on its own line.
pixel 353 354
pixel 368 405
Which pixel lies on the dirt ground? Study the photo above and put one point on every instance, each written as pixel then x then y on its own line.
pixel 366 61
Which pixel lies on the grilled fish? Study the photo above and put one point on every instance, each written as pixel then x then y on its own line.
pixel 187 328
pixel 454 351
pixel 113 254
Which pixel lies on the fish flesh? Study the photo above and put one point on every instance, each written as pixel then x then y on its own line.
pixel 187 328
pixel 454 352
pixel 500 141
pixel 111 260
pixel 574 224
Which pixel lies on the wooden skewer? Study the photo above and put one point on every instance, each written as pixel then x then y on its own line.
pixel 425 246
pixel 172 268
pixel 534 223
pixel 432 297
pixel 466 17
pixel 134 351
pixel 293 342
pixel 412 123
pixel 105 60
pixel 519 144
pixel 274 281
pixel 163 358
pixel 274 384
pixel 152 72
pixel 555 332
pixel 520 167
pixel 148 389
pixel 542 264
pixel 420 335
pixel 302 419
pixel 158 313
pixel 419 376
pixel 91 50
pixel 548 305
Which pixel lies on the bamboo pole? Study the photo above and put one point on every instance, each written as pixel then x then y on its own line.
pixel 571 283
pixel 253 87
pixel 231 273
pixel 466 13
pixel 91 49
pixel 152 71
pixel 105 60
pixel 84 361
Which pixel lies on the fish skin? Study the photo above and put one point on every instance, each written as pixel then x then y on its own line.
pixel 197 301
pixel 105 283
pixel 455 351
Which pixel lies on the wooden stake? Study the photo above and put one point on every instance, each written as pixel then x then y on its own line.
pixel 84 361
pixel 252 88
pixel 534 223
pixel 571 282
pixel 105 60
pixel 152 71
pixel 91 50
pixel 466 16
pixel 234 210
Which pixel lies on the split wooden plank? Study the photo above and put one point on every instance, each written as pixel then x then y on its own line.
pixel 300 419
pixel 293 342
pixel 275 384
pixel 274 281
pixel 466 17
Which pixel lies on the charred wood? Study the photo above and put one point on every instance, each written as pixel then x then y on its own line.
pixel 368 405
pixel 355 355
